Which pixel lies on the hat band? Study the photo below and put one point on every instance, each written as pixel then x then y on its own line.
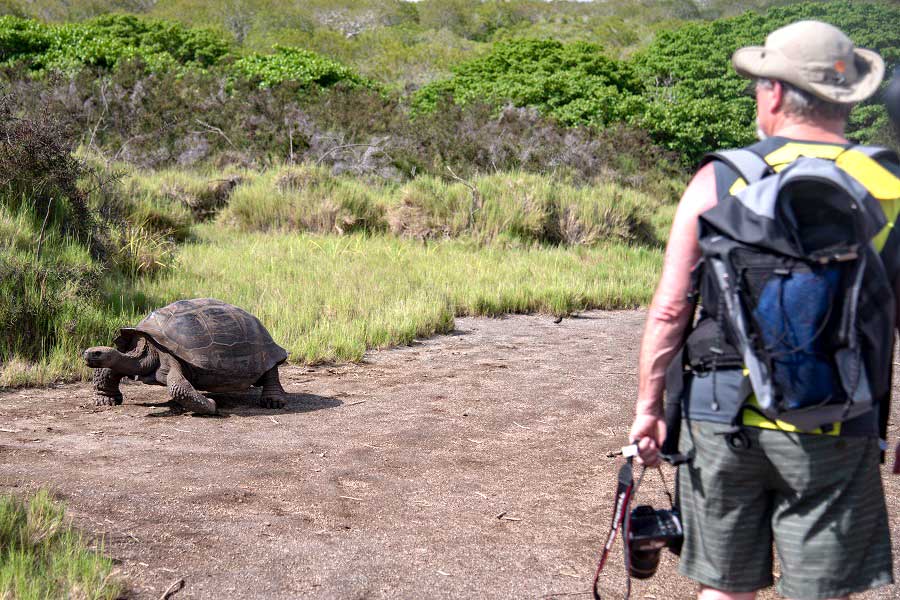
pixel 826 75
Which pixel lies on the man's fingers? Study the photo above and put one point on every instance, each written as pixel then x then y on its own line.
pixel 648 451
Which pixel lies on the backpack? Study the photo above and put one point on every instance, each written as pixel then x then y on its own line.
pixel 784 265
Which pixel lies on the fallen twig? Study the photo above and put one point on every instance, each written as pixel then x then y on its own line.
pixel 173 589
pixel 351 498
pixel 522 426
pixel 11 430
pixel 355 403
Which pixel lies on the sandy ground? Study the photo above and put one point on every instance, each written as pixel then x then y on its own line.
pixel 466 466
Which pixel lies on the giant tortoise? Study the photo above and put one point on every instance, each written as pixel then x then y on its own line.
pixel 189 345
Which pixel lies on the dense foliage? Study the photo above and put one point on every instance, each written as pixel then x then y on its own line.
pixel 192 90
pixel 680 88
pixel 398 42
pixel 295 65
pixel 106 41
pixel 575 83
pixel 110 41
pixel 695 100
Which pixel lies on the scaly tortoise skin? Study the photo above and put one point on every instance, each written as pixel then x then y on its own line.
pixel 189 345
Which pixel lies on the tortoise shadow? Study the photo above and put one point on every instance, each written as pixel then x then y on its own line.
pixel 246 404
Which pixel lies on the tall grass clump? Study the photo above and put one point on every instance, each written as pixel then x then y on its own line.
pixel 520 206
pixel 42 556
pixel 305 198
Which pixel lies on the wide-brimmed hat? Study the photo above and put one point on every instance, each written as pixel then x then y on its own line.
pixel 816 57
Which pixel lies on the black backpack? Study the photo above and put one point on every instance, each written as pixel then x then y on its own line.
pixel 785 264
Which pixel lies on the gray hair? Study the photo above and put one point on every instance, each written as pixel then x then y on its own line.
pixel 808 107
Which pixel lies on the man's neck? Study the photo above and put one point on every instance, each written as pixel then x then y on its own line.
pixel 801 130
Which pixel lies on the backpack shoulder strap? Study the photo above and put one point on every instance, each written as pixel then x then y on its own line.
pixel 746 163
pixel 878 153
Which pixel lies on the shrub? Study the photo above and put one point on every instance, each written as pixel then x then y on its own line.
pixel 105 41
pixel 301 67
pixel 39 176
pixel 575 83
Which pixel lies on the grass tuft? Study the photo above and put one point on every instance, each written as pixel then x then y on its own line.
pixel 42 556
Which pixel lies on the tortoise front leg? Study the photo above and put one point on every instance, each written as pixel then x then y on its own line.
pixel 182 392
pixel 106 387
pixel 273 395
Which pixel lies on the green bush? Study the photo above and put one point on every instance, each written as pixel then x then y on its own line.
pixel 106 41
pixel 295 65
pixel 574 83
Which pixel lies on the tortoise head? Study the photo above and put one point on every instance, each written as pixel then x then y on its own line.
pixel 100 357
pixel 140 359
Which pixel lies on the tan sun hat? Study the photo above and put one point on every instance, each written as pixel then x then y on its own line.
pixel 816 57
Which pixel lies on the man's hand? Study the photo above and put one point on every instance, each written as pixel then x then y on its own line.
pixel 649 430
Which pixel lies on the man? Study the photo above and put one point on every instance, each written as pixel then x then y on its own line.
pixel 818 494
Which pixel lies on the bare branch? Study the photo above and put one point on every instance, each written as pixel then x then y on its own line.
pixel 215 129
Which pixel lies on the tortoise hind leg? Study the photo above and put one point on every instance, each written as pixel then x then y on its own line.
pixel 183 392
pixel 273 395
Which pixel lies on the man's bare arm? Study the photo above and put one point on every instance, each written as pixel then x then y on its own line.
pixel 670 311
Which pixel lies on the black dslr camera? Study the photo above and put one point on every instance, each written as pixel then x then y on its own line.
pixel 649 531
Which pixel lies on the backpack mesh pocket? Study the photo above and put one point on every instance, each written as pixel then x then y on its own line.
pixel 795 310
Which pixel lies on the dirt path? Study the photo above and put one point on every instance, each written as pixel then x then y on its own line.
pixel 381 480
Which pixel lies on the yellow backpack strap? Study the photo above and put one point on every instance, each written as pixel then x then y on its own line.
pixel 881 183
pixel 860 163
pixel 791 151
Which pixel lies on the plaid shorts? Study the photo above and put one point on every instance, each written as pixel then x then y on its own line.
pixel 818 497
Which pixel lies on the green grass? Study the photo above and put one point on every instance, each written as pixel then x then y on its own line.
pixel 329 298
pixel 332 265
pixel 42 556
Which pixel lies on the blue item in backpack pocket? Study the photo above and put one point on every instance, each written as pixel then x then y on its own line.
pixel 793 314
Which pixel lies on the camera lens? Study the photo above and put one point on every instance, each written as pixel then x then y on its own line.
pixel 644 563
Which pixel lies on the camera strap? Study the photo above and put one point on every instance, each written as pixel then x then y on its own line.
pixel 625 491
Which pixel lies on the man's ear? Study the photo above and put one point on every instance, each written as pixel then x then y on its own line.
pixel 777 97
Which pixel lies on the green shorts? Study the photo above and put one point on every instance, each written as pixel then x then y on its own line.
pixel 818 497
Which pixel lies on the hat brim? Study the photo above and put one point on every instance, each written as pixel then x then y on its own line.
pixel 758 62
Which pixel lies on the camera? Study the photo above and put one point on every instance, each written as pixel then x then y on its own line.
pixel 650 530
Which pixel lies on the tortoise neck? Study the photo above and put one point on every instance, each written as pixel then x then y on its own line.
pixel 143 360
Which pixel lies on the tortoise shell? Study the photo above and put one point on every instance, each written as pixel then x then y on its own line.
pixel 211 336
